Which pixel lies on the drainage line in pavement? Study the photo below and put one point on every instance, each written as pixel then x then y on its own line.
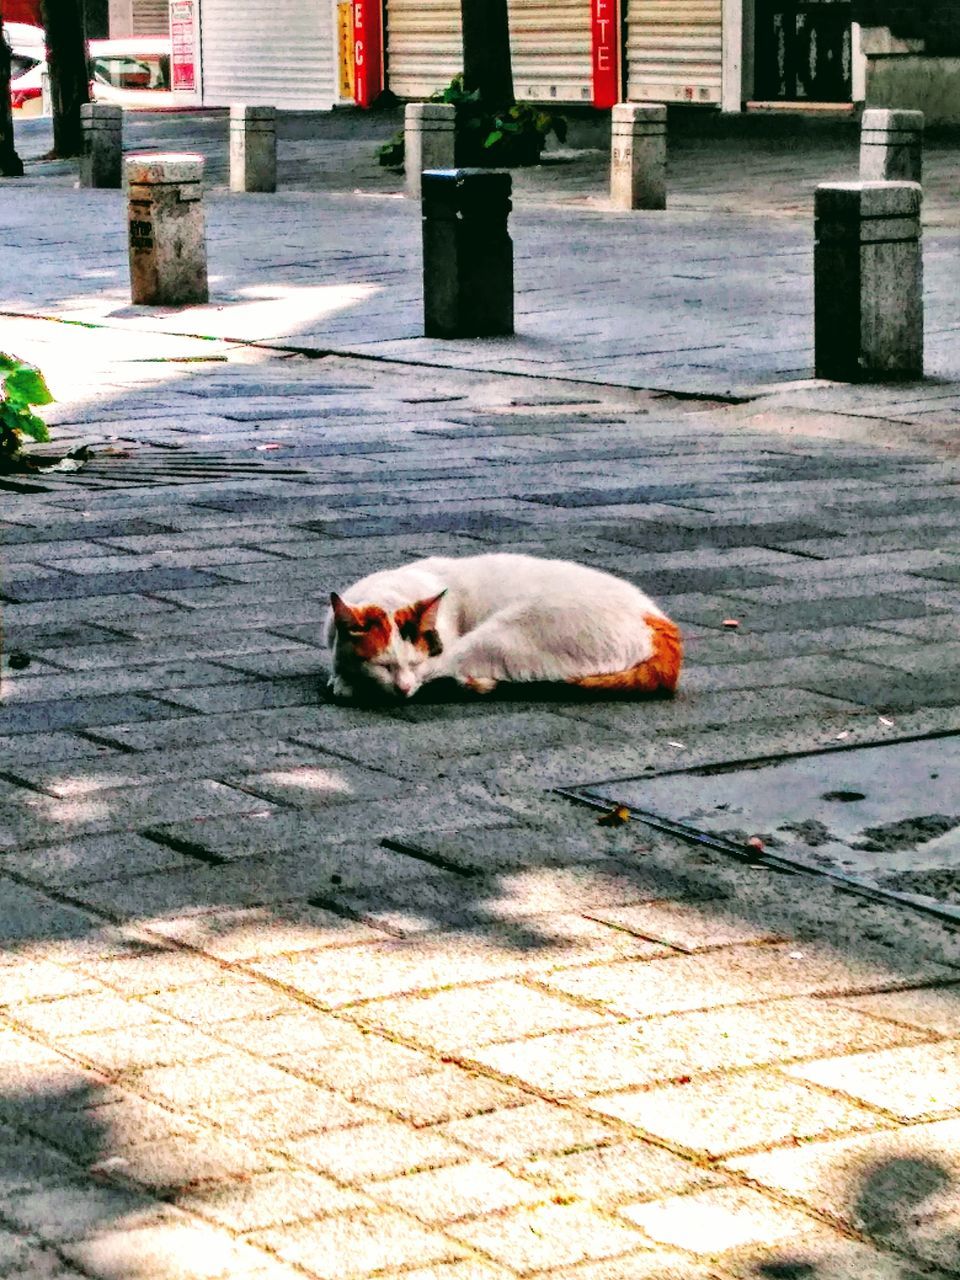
pixel 771 861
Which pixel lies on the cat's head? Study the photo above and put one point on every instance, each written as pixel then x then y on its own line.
pixel 390 648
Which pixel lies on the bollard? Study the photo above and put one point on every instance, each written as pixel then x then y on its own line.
pixel 638 157
pixel 253 148
pixel 168 252
pixel 891 146
pixel 101 163
pixel 467 254
pixel 868 281
pixel 429 140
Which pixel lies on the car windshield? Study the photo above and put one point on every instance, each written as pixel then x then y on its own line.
pixel 150 71
pixel 21 63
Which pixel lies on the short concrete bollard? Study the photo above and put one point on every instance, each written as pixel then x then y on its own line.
pixel 638 157
pixel 467 254
pixel 253 148
pixel 101 163
pixel 168 251
pixel 891 146
pixel 868 281
pixel 429 140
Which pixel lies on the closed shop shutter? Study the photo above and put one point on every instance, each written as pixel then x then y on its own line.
pixel 269 53
pixel 151 18
pixel 674 51
pixel 551 45
pixel 424 45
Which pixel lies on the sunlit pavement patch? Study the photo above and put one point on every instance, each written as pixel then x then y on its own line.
pixel 887 816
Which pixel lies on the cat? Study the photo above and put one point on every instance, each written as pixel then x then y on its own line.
pixel 482 620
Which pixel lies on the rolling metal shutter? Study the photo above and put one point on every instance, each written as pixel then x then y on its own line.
pixel 269 53
pixel 551 45
pixel 151 18
pixel 424 45
pixel 674 51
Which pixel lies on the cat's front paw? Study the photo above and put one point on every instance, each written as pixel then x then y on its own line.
pixel 478 684
pixel 339 689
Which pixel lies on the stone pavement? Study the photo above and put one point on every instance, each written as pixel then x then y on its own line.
pixel 290 989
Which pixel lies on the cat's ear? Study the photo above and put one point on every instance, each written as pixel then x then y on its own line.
pixel 344 615
pixel 426 611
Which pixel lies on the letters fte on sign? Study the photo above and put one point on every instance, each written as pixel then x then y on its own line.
pixel 605 22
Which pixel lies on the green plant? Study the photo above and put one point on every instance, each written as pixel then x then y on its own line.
pixel 23 386
pixel 512 135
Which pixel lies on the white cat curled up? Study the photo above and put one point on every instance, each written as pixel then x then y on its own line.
pixel 482 620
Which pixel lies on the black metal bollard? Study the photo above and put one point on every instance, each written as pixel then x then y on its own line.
pixel 467 253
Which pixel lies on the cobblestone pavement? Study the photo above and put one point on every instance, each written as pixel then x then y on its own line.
pixel 290 989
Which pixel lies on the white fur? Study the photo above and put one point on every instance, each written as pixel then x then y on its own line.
pixel 506 617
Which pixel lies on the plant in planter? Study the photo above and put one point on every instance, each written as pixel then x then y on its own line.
pixel 22 386
pixel 513 135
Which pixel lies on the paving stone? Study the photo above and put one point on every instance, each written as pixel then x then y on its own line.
pixel 270 1200
pixel 168 1252
pixel 281 1117
pixel 316 786
pixel 376 1151
pixel 912 1084
pixel 438 1096
pixel 145 969
pixel 93 858
pixel 833 1255
pixel 454 1021
pixel 27 914
pixel 661 1265
pixel 80 586
pixel 75 1211
pixel 359 1245
pixel 663 1049
pixel 550 1236
pixel 705 710
pixel 685 926
pixel 537 1128
pixel 734 975
pixel 101 1010
pixel 327 1050
pixel 83 713
pixel 617 1171
pixel 730 1112
pixel 719 1219
pixel 155 1044
pixel 876 1183
pixel 936 1009
pixel 242 933
pixel 457 1191
pixel 47 748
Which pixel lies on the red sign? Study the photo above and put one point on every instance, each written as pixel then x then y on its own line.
pixel 367 51
pixel 606 52
pixel 183 67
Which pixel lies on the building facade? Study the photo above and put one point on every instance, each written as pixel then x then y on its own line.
pixel 727 54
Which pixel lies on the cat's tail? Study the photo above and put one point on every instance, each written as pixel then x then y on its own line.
pixel 658 673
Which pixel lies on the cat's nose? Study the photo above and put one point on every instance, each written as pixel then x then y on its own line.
pixel 406 685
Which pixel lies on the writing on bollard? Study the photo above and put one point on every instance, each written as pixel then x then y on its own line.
pixel 467 253
pixel 165 230
pixel 253 148
pixel 101 160
pixel 638 156
pixel 868 281
pixel 891 146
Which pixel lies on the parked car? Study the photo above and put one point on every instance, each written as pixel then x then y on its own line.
pixel 133 73
pixel 27 61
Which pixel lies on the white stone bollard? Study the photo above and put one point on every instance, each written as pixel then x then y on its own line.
pixel 429 140
pixel 638 156
pixel 253 148
pixel 891 146
pixel 868 281
pixel 168 251
pixel 101 164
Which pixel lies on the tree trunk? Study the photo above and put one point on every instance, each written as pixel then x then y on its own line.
pixel 486 52
pixel 69 77
pixel 11 165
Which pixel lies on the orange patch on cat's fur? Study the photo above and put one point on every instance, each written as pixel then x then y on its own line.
pixel 660 671
pixel 371 634
pixel 408 622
